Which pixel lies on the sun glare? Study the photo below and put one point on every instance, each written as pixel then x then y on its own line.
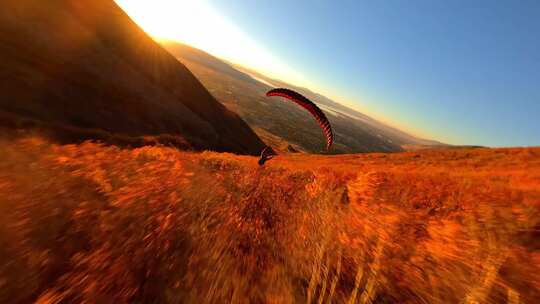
pixel 196 23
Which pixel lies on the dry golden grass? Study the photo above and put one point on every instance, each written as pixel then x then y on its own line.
pixel 94 224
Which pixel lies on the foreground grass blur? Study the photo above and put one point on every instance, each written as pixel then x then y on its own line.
pixel 96 224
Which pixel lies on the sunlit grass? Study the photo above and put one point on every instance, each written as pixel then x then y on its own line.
pixel 90 223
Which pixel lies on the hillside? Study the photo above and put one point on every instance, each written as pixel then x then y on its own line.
pixel 95 224
pixel 283 124
pixel 83 70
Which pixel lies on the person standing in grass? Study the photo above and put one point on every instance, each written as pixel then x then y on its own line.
pixel 266 155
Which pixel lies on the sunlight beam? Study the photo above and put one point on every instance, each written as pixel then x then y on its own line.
pixel 196 23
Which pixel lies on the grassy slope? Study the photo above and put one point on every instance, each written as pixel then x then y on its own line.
pixel 103 224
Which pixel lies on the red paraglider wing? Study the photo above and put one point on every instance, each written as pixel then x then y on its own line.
pixel 311 107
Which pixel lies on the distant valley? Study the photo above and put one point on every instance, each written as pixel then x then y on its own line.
pixel 284 125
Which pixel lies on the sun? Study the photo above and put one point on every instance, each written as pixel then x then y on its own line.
pixel 172 19
pixel 198 24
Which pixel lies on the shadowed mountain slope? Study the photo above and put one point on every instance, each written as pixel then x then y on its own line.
pixel 86 65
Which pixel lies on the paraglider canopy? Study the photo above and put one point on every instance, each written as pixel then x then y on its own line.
pixel 311 107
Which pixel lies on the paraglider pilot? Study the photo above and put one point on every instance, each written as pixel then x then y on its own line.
pixel 266 154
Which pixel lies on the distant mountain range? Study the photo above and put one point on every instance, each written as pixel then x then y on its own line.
pixel 82 69
pixel 284 125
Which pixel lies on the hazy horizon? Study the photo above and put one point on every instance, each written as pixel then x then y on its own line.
pixel 447 72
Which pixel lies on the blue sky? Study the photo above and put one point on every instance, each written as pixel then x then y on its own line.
pixel 463 72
